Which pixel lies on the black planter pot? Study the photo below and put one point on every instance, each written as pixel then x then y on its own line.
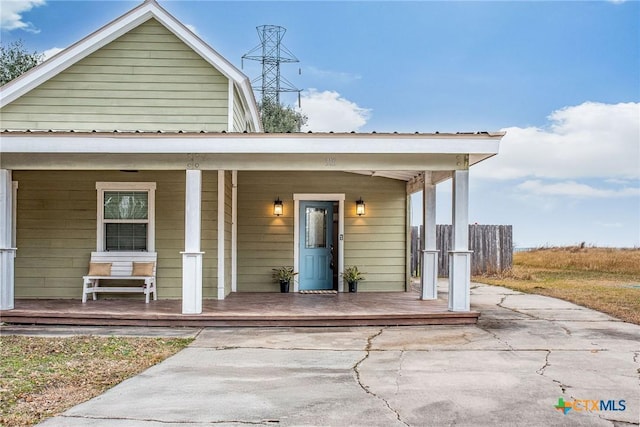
pixel 353 286
pixel 284 286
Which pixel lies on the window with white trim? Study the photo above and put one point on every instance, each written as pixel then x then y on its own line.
pixel 126 216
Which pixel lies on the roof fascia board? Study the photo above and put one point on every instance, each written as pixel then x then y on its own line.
pixel 246 144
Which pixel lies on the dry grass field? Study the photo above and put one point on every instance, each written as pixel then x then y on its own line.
pixel 604 279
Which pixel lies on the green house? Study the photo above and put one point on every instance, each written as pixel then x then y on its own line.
pixel 142 138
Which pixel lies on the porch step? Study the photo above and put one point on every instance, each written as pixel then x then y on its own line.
pixel 246 309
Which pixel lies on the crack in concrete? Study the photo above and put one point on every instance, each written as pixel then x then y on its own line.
pixel 618 423
pixel 497 338
pixel 563 387
pixel 154 420
pixel 356 370
pixel 544 367
pixel 546 364
pixel 564 328
pixel 504 298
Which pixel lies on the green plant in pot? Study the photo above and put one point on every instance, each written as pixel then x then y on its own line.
pixel 352 276
pixel 284 276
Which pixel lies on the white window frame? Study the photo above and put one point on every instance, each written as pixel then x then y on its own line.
pixel 149 187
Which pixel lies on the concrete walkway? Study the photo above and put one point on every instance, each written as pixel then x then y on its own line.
pixel 510 369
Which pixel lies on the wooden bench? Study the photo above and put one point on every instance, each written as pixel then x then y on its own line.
pixel 120 266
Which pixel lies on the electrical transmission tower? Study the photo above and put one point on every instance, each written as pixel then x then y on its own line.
pixel 271 53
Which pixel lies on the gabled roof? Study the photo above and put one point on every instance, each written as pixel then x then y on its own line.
pixel 105 35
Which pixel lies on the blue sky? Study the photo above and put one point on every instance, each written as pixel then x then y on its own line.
pixel 561 78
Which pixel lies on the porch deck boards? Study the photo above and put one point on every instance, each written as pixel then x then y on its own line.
pixel 245 309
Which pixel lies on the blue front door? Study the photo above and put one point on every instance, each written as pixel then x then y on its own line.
pixel 316 234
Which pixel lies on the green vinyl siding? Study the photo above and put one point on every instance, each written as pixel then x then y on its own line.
pixel 375 242
pixel 147 79
pixel 239 122
pixel 56 230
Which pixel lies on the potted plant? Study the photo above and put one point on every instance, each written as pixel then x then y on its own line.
pixel 352 276
pixel 284 276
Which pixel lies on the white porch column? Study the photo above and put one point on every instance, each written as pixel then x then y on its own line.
pixel 429 274
pixel 221 236
pixel 7 251
pixel 460 255
pixel 234 231
pixel 192 256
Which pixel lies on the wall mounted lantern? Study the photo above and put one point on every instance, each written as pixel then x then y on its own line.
pixel 277 207
pixel 360 207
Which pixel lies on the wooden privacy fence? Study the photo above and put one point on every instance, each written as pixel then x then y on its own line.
pixel 492 247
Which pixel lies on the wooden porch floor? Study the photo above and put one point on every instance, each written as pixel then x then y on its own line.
pixel 245 309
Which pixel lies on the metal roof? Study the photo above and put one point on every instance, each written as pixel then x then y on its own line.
pixel 245 133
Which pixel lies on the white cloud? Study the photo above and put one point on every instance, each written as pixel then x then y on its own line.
pixel 51 52
pixel 328 111
pixel 588 140
pixel 574 189
pixel 11 14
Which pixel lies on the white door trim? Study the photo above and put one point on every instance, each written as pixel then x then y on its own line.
pixel 326 197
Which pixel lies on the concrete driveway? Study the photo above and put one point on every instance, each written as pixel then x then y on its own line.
pixel 510 369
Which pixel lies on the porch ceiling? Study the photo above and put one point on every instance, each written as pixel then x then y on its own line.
pixel 391 155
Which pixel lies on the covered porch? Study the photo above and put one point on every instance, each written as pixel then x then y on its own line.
pixel 418 161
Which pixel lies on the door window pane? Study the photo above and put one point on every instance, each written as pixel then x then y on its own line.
pixel 316 228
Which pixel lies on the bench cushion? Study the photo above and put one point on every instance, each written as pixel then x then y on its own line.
pixel 142 269
pixel 99 269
